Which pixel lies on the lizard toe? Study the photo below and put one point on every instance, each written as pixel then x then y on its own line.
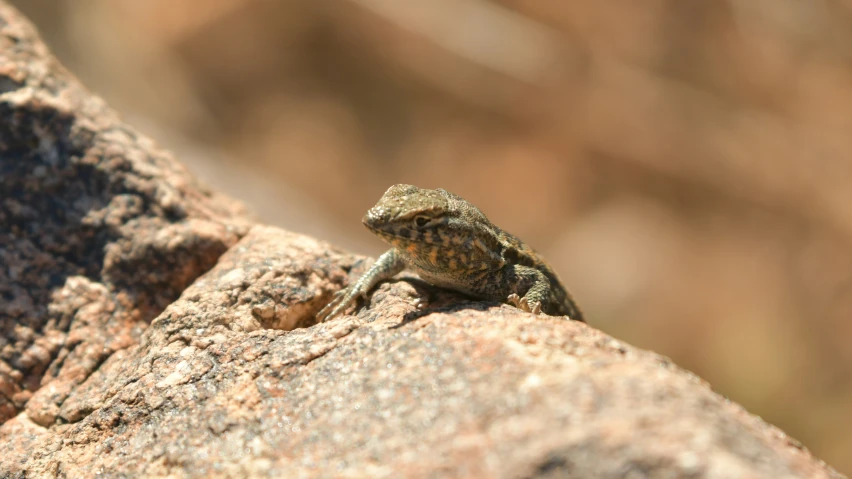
pixel 536 308
pixel 514 300
pixel 518 302
pixel 523 304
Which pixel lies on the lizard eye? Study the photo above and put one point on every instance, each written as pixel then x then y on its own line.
pixel 421 221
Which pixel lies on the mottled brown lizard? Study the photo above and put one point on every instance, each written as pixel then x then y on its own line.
pixel 450 243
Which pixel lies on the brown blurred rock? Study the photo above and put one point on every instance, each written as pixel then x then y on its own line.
pixel 100 229
pixel 103 232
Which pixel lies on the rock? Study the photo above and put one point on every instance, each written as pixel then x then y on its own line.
pixel 150 329
pixel 101 230
pixel 457 388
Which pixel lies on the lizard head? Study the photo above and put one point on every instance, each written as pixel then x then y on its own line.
pixel 421 221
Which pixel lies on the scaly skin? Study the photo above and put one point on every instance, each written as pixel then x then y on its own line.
pixel 450 243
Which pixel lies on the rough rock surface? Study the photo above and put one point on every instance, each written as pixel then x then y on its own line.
pixel 104 370
pixel 456 388
pixel 99 229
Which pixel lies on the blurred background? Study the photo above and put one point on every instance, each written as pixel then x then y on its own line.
pixel 686 165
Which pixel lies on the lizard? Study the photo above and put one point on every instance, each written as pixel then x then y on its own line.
pixel 450 243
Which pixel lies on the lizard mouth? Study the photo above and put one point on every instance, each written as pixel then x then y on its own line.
pixel 375 220
pixel 400 233
pixel 391 236
pixel 375 227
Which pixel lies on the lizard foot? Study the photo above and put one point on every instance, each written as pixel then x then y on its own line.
pixel 341 300
pixel 523 304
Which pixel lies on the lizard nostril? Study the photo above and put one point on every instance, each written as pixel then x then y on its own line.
pixel 374 216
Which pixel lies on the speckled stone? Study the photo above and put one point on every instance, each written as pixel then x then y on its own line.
pixel 456 388
pixel 99 229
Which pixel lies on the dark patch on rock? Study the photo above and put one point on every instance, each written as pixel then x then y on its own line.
pixel 100 228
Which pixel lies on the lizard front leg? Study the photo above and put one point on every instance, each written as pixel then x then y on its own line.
pixel 533 284
pixel 389 264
